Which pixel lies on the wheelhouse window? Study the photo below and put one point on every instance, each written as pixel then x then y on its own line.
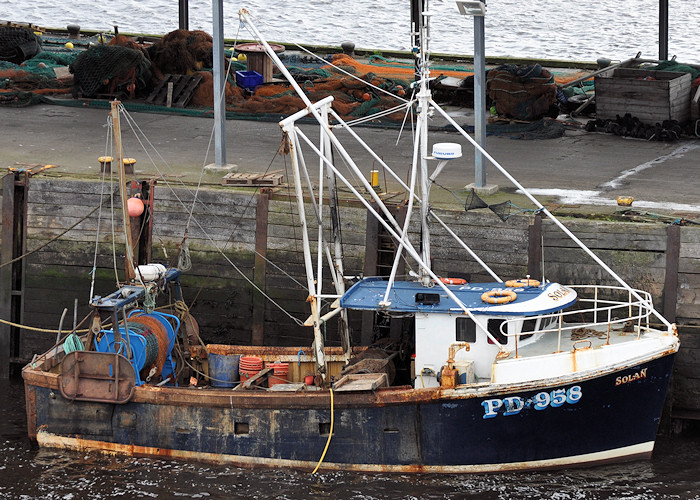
pixel 466 330
pixel 528 327
pixel 494 326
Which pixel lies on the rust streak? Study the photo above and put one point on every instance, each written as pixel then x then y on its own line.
pixel 30 398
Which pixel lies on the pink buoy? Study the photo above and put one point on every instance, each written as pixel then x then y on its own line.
pixel 134 206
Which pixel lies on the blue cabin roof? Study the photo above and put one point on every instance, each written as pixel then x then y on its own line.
pixel 413 297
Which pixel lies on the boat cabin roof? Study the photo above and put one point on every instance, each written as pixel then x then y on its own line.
pixel 412 296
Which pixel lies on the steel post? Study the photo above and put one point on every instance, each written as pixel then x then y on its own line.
pixel 219 81
pixel 663 30
pixel 479 100
pixel 184 14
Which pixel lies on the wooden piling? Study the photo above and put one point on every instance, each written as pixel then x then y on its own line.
pixel 14 244
pixel 673 249
pixel 260 269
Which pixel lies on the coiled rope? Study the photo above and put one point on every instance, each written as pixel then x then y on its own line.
pixel 143 140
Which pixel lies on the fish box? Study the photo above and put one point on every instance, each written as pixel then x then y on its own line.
pixel 248 79
pixel 651 96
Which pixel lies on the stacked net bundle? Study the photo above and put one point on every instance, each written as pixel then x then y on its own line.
pixel 106 69
pixel 353 96
pixel 18 44
pixel 182 52
pixel 125 41
pixel 204 93
pixel 25 83
pixel 521 92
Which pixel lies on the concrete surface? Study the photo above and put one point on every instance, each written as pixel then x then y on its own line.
pixel 579 169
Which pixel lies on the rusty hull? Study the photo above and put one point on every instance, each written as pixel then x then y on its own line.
pixel 394 429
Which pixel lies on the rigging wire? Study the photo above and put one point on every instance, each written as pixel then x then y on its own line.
pixel 216 245
pixel 93 272
pixel 222 97
pixel 195 195
pixel 326 62
pixel 111 206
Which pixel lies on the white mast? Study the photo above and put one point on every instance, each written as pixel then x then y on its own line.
pixel 422 137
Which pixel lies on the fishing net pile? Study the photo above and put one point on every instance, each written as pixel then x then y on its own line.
pixel 132 71
pixel 122 68
pixel 181 52
pixel 107 69
pixel 353 97
pixel 18 44
pixel 521 92
pixel 26 71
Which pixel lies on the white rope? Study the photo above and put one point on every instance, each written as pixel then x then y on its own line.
pixel 93 272
pixel 184 262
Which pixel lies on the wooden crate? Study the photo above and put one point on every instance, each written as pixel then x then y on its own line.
pixel 651 96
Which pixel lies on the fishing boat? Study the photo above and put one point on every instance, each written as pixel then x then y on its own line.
pixel 516 374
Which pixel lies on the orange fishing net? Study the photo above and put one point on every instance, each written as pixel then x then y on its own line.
pixel 353 97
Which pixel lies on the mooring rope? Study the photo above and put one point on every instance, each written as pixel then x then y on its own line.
pixel 330 435
pixel 43 245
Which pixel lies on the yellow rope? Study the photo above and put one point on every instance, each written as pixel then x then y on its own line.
pixel 330 435
pixel 35 329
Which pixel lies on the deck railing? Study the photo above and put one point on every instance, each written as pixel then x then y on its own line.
pixel 598 311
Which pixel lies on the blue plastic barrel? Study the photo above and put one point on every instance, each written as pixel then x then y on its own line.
pixel 223 370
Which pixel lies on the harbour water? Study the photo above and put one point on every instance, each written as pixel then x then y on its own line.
pixel 27 472
pixel 553 29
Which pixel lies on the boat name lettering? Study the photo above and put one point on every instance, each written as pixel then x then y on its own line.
pixel 559 293
pixel 513 405
pixel 631 378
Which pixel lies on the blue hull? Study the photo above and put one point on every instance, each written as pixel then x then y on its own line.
pixel 610 417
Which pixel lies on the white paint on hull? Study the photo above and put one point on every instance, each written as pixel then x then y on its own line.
pixel 641 450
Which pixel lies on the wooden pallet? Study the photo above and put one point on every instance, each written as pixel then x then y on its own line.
pixel 183 86
pixel 252 179
pixel 361 382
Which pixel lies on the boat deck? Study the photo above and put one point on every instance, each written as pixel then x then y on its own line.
pixel 579 337
pixel 580 349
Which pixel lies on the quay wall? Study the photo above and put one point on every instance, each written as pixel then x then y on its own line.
pixel 239 237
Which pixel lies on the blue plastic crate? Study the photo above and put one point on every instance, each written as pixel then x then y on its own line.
pixel 248 79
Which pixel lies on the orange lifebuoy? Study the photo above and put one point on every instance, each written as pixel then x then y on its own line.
pixel 499 296
pixel 454 281
pixel 521 283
